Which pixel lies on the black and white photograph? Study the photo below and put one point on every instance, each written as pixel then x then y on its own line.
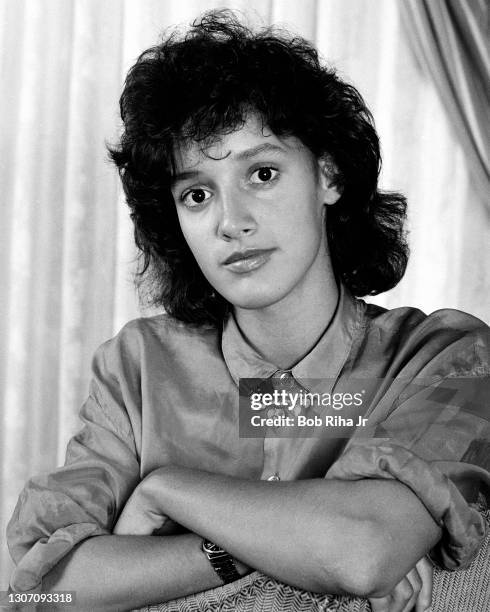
pixel 245 305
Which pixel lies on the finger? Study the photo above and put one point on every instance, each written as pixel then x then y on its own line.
pixel 401 596
pixel 425 570
pixel 394 601
pixel 416 581
pixel 380 604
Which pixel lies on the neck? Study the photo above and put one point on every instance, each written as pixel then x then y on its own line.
pixel 285 332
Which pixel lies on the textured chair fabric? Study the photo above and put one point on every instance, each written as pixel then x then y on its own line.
pixel 461 591
pixel 259 593
pixel 465 590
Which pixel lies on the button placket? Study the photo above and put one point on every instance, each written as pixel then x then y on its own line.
pixel 281 381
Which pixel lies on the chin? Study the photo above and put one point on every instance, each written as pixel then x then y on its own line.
pixel 254 300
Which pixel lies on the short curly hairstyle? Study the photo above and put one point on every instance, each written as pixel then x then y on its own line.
pixel 203 83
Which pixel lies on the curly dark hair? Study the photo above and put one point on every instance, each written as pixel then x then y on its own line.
pixel 203 83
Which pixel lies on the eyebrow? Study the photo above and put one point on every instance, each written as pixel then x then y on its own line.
pixel 266 147
pixel 183 176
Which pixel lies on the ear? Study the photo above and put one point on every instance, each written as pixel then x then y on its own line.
pixel 328 174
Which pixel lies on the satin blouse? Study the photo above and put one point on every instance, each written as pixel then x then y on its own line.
pixel 163 392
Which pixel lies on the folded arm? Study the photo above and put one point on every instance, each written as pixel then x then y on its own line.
pixel 114 573
pixel 354 533
pixel 325 536
pixel 320 535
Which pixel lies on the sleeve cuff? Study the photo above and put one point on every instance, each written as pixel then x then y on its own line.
pixel 47 552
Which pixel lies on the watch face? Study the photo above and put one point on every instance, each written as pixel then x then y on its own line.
pixel 210 547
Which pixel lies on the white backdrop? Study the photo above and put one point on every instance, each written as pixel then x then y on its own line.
pixel 65 239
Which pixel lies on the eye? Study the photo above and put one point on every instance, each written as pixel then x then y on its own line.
pixel 264 174
pixel 195 197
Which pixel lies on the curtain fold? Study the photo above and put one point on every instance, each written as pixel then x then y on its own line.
pixel 450 40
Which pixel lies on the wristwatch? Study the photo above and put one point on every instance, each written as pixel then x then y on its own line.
pixel 221 561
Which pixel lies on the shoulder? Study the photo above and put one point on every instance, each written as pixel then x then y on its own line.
pixel 454 338
pixel 408 321
pixel 151 339
pixel 163 329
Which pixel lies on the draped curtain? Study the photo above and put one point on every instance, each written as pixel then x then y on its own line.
pixel 66 252
pixel 450 39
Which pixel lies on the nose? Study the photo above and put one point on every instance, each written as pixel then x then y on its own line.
pixel 235 217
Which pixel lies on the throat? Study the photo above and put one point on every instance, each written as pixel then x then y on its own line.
pixel 289 345
pixel 284 339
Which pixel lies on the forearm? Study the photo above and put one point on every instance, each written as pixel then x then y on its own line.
pixel 126 572
pixel 326 536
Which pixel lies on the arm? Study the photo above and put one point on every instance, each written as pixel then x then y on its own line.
pixel 51 533
pixel 114 573
pixel 125 572
pixel 320 535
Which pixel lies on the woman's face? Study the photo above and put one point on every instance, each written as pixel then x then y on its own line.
pixel 251 209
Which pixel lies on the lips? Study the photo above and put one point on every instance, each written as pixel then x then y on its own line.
pixel 239 255
pixel 247 260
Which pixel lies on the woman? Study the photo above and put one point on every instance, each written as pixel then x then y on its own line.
pixel 251 173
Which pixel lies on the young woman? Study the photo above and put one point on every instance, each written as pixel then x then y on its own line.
pixel 251 173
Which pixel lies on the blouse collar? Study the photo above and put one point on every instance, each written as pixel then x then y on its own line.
pixel 325 360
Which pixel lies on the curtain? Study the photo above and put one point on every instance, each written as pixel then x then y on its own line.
pixel 450 40
pixel 66 252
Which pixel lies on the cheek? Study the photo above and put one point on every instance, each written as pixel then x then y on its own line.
pixel 303 227
pixel 201 253
pixel 197 242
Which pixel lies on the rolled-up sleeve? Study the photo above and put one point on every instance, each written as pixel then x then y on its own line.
pixel 56 511
pixel 436 442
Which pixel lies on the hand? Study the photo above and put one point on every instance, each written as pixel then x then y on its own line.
pixel 414 591
pixel 142 514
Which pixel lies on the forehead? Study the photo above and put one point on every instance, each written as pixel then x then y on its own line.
pixel 247 142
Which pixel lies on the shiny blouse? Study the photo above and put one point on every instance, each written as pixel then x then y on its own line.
pixel 164 393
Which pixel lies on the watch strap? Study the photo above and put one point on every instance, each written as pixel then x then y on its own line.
pixel 221 561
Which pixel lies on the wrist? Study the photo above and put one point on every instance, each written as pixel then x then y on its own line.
pixel 222 562
pixel 241 568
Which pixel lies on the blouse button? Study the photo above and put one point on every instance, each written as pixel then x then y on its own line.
pixel 274 477
pixel 286 379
